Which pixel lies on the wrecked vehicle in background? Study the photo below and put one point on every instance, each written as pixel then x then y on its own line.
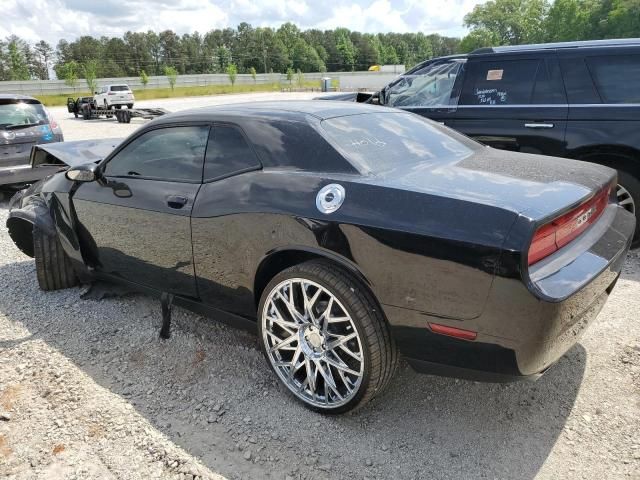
pixel 343 233
pixel 24 122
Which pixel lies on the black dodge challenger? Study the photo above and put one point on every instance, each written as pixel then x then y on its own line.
pixel 346 232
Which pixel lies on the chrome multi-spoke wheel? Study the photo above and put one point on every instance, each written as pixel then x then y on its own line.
pixel 312 343
pixel 625 199
pixel 325 336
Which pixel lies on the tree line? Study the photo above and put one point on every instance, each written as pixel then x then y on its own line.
pixel 247 49
pixel 262 50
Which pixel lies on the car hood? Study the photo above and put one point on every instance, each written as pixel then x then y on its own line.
pixel 533 185
pixel 73 153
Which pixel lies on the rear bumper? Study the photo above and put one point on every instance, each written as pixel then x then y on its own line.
pixel 521 331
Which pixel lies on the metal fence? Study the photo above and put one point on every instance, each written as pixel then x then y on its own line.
pixel 347 80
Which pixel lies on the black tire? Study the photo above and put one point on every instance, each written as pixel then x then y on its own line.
pixel 118 107
pixel 53 267
pixel 378 348
pixel 85 113
pixel 129 106
pixel 126 116
pixel 75 114
pixel 632 185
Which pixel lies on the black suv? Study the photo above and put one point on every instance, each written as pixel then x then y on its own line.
pixel 577 100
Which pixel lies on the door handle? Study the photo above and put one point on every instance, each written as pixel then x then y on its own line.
pixel 538 125
pixel 176 201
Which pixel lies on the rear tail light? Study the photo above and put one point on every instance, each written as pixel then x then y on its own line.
pixel 554 235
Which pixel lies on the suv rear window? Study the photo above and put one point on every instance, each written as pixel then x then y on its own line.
pixel 617 77
pixel 17 113
pixel 119 88
pixel 379 143
pixel 508 82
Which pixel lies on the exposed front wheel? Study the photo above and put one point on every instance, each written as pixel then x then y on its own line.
pixel 53 267
pixel 628 192
pixel 325 337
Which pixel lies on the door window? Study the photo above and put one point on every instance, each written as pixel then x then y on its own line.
pixel 508 82
pixel 616 77
pixel 227 153
pixel 172 154
pixel 429 86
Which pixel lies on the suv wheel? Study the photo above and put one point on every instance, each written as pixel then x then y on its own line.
pixel 628 193
pixel 325 337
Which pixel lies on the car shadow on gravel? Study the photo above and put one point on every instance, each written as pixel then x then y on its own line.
pixel 209 391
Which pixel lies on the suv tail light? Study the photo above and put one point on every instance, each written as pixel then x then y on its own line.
pixel 559 232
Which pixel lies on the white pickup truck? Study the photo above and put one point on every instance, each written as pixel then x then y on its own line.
pixel 116 96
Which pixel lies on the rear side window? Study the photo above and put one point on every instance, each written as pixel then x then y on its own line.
pixel 617 77
pixel 171 154
pixel 228 152
pixel 509 82
pixel 382 143
pixel 119 88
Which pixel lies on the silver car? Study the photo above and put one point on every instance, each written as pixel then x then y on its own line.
pixel 24 122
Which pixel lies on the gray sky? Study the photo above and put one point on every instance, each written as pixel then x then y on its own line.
pixel 54 19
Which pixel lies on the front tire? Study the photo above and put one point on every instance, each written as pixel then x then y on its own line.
pixel 53 267
pixel 325 337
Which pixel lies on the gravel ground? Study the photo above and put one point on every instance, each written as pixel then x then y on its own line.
pixel 88 390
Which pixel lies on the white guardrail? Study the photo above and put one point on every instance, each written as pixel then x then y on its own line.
pixel 347 81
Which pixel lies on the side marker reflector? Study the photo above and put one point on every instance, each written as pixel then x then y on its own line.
pixel 452 331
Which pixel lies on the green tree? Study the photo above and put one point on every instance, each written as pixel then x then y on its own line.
pixel 571 20
pixel 69 73
pixel 144 78
pixel 253 73
pixel 300 78
pixel 232 72
pixel 623 20
pixel 290 75
pixel 478 38
pixel 43 54
pixel 89 69
pixel 172 76
pixel 345 48
pixel 18 67
pixel 224 58
pixel 513 22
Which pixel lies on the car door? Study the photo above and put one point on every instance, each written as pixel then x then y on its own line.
pixel 134 222
pixel 429 90
pixel 514 103
pixel 219 228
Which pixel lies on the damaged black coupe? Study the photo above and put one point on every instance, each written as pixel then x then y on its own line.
pixel 344 233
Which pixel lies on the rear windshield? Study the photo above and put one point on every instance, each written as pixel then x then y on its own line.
pixel 19 113
pixel 382 143
pixel 119 88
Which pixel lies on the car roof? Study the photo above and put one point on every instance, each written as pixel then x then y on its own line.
pixel 322 110
pixel 16 96
pixel 559 45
